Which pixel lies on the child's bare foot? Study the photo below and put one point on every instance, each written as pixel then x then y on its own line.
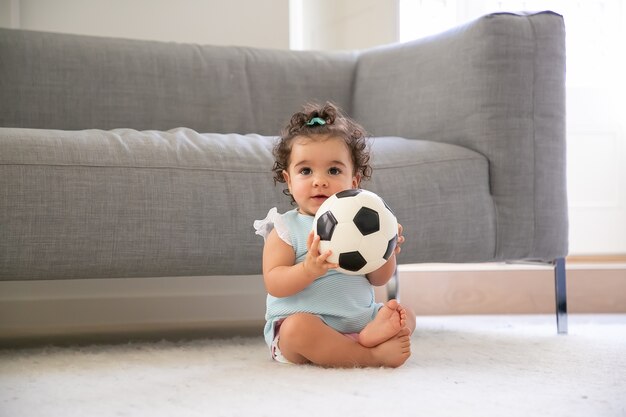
pixel 395 351
pixel 391 318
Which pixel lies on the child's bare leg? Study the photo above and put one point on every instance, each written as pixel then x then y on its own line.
pixel 389 320
pixel 306 338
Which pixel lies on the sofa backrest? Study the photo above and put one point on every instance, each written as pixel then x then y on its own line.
pixel 73 82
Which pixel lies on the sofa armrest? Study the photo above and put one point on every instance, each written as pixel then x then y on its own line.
pixel 497 86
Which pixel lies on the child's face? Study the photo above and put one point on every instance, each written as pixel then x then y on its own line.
pixel 318 169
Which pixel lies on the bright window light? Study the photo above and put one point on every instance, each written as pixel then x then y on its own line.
pixel 420 18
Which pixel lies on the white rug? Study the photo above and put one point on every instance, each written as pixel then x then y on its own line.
pixel 461 366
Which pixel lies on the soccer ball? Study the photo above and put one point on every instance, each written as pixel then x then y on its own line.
pixel 359 228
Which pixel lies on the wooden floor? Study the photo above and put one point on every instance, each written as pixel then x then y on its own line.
pixel 594 285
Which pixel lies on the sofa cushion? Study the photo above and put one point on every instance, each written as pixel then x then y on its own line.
pixel 127 203
pixel 446 184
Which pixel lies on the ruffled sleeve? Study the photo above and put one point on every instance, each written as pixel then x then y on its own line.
pixel 273 220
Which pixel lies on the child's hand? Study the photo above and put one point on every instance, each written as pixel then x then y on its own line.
pixel 315 264
pixel 400 240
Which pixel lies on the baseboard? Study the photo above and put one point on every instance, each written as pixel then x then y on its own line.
pixel 32 312
pixel 96 310
pixel 442 289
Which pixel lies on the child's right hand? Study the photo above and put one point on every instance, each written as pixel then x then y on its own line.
pixel 315 263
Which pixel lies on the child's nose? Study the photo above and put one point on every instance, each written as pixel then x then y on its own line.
pixel 320 181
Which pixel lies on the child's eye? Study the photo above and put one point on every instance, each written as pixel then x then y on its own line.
pixel 306 171
pixel 334 171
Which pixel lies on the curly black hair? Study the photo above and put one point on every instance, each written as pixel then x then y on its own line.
pixel 336 124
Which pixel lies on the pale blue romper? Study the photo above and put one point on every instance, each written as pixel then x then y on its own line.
pixel 344 302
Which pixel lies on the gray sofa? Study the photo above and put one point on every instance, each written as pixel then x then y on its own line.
pixel 131 171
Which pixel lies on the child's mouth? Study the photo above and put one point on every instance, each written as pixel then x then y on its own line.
pixel 319 197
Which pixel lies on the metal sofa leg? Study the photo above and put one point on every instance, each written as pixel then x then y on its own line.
pixel 561 295
pixel 392 286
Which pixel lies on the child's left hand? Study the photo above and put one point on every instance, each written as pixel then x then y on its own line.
pixel 400 240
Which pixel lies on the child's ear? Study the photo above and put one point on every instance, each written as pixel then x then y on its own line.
pixel 286 177
pixel 356 181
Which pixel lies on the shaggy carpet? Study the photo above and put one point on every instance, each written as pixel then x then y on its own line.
pixel 460 366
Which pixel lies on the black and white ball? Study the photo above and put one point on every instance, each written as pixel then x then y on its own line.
pixel 359 228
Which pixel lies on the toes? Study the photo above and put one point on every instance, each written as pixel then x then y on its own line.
pixel 393 304
pixel 404 332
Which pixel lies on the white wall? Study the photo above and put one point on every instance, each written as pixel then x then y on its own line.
pixel 8 14
pixel 343 25
pixel 234 22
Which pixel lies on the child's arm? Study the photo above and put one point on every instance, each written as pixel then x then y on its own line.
pixel 283 278
pixel 383 274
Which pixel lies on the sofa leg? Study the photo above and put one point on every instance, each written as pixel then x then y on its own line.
pixel 561 295
pixel 392 286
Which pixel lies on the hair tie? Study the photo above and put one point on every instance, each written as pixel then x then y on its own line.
pixel 316 121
